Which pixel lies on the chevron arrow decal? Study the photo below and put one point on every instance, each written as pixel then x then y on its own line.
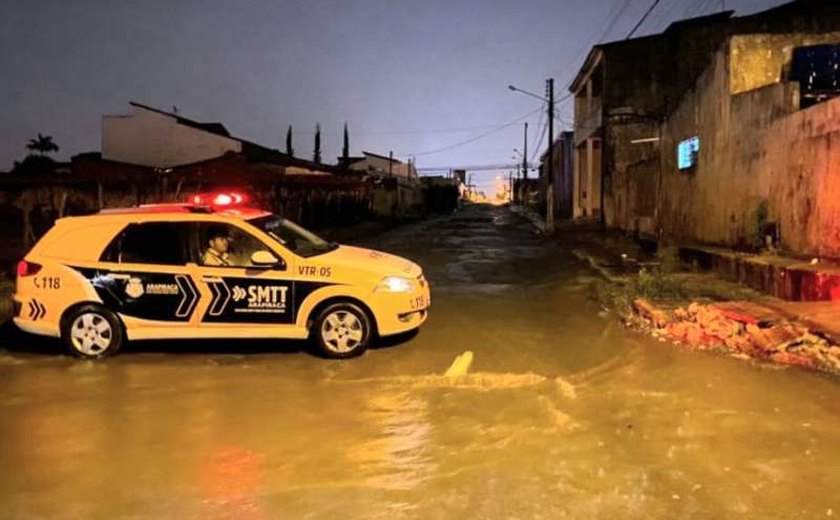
pixel 239 293
pixel 36 310
pixel 221 297
pixel 189 296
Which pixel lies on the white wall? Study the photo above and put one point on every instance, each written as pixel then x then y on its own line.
pixel 151 139
pixel 379 166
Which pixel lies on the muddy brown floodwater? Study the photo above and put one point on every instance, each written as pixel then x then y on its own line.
pixel 563 414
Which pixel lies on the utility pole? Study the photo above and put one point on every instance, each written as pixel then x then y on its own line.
pixel 510 186
pixel 525 154
pixel 518 188
pixel 390 164
pixel 549 196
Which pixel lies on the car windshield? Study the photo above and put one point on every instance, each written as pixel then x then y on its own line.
pixel 293 237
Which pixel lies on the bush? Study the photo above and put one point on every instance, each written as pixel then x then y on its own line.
pixel 652 285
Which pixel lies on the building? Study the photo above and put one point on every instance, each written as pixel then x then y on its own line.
pixel 158 139
pixel 718 130
pixel 621 95
pixel 397 192
pixel 564 172
pixel 382 166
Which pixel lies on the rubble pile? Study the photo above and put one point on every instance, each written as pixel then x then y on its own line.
pixel 710 327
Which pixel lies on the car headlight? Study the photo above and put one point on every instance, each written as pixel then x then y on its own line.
pixel 394 284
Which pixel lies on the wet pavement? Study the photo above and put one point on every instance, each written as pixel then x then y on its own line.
pixel 564 413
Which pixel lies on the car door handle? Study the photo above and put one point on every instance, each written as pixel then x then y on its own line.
pixel 211 279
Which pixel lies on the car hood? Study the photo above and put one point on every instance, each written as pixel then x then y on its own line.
pixel 376 262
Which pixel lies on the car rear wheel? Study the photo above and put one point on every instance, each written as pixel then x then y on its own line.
pixel 342 330
pixel 92 332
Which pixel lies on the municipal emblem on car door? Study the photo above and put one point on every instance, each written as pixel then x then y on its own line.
pixel 134 288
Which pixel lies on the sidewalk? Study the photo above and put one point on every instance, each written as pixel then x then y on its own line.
pixel 715 299
pixel 790 279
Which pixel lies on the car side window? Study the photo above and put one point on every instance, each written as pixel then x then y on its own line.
pixel 162 243
pixel 228 246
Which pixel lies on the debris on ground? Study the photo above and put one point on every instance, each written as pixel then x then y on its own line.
pixel 744 330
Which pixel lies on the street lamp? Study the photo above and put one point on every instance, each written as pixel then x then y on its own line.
pixel 517 89
pixel 549 196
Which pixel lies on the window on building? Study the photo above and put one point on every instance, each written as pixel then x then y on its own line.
pixel 687 153
pixel 817 69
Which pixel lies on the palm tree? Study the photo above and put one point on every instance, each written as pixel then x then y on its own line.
pixel 43 145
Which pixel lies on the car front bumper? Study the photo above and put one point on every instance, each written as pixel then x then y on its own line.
pixel 401 312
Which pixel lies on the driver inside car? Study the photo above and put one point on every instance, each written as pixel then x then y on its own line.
pixel 218 244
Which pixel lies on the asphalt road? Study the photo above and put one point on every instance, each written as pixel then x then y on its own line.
pixel 563 414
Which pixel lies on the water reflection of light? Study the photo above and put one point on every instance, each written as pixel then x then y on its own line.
pixel 398 458
pixel 230 481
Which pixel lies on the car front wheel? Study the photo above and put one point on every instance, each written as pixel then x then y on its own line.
pixel 342 330
pixel 92 332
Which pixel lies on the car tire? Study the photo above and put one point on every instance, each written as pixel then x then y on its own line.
pixel 342 330
pixel 92 332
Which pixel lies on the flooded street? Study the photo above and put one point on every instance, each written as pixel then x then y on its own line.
pixel 564 413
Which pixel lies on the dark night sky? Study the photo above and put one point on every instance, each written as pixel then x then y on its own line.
pixel 408 76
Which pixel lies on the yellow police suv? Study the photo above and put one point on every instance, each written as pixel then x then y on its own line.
pixel 210 268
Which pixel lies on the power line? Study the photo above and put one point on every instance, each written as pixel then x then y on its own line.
pixel 656 20
pixel 614 21
pixel 539 143
pixel 692 8
pixel 476 138
pixel 539 122
pixel 437 131
pixel 708 7
pixel 612 18
pixel 644 17
pixel 666 17
pixel 481 168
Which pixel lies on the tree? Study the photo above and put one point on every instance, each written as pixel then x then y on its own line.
pixel 289 149
pixel 35 164
pixel 345 150
pixel 40 162
pixel 316 157
pixel 43 145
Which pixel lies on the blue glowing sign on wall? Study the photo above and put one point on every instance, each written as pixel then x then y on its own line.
pixel 687 152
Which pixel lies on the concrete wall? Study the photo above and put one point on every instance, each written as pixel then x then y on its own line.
pixel 397 198
pixel 152 139
pixel 803 160
pixel 631 172
pixel 757 151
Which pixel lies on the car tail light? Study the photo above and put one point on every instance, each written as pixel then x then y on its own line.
pixel 25 268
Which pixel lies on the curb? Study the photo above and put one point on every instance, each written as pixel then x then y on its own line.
pixel 530 215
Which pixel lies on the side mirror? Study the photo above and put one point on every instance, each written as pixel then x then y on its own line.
pixel 266 259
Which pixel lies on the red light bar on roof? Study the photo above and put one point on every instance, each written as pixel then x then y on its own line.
pixel 220 199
